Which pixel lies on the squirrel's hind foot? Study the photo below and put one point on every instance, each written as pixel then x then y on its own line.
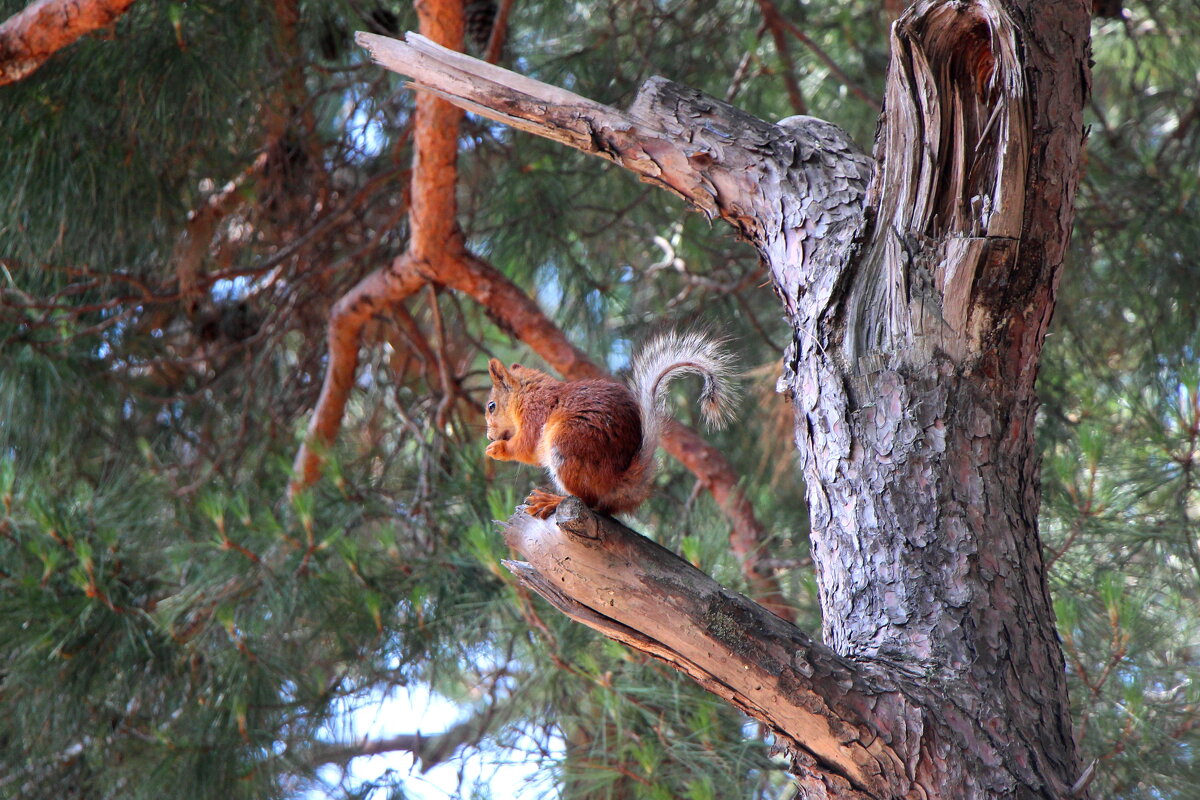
pixel 542 504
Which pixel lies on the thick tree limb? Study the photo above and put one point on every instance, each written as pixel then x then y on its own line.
pixel 29 37
pixel 706 151
pixel 609 578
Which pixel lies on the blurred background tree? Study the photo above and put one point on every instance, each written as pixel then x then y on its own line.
pixel 188 192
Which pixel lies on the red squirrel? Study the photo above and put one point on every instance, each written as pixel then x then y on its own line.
pixel 597 437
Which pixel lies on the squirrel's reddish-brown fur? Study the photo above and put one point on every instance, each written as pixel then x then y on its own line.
pixel 596 437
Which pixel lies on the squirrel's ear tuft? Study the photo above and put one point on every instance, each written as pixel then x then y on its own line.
pixel 500 375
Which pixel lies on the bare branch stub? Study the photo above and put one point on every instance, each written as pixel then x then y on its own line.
pixel 719 166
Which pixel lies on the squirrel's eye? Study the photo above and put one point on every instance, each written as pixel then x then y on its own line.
pixel 491 406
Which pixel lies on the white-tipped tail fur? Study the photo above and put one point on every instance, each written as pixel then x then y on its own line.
pixel 673 354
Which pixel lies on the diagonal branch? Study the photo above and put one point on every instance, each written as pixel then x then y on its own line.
pixel 428 750
pixel 29 37
pixel 499 32
pixel 824 707
pixel 635 139
pixel 778 21
pixel 784 189
pixel 202 222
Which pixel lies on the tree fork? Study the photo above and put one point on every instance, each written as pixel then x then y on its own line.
pixel 919 286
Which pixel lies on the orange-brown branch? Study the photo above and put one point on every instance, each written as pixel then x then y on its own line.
pixel 499 32
pixel 433 228
pixel 378 293
pixel 434 217
pixel 29 37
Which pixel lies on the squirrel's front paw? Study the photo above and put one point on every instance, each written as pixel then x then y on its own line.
pixel 542 504
pixel 497 450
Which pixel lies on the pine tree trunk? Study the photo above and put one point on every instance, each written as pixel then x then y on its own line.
pixel 913 386
pixel 919 286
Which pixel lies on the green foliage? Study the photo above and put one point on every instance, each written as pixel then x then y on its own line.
pixel 1121 415
pixel 122 131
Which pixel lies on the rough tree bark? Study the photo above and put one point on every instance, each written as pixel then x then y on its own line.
pixel 919 286
pixel 29 37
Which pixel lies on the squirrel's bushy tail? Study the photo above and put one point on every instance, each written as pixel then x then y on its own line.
pixel 673 354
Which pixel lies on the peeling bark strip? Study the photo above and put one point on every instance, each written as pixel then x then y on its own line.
pixel 919 306
pixel 29 37
pixel 953 154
